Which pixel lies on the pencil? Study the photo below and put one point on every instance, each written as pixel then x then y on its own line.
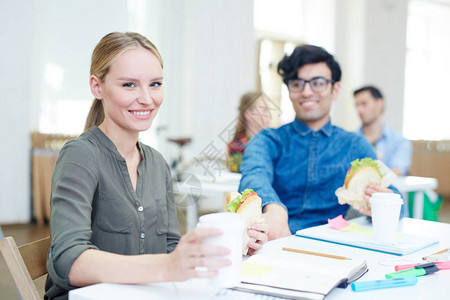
pixel 439 252
pixel 315 253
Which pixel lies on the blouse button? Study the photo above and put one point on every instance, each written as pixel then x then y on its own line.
pixel 142 235
pixel 140 208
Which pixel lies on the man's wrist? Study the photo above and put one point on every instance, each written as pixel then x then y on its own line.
pixel 274 207
pixel 277 218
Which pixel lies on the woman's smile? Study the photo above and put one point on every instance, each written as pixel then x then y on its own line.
pixel 141 114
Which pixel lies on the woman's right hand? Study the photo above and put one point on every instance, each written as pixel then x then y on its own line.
pixel 191 253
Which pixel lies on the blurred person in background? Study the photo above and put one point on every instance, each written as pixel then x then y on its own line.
pixel 254 115
pixel 391 147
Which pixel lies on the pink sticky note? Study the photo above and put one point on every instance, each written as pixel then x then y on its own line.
pixel 338 223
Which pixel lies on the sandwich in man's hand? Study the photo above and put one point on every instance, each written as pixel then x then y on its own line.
pixel 248 205
pixel 361 173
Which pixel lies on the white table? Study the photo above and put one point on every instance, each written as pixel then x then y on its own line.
pixel 420 185
pixel 434 286
pixel 211 190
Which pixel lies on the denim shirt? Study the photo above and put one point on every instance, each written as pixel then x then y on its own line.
pixel 394 150
pixel 301 169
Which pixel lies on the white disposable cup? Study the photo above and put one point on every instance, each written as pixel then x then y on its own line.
pixel 385 216
pixel 232 227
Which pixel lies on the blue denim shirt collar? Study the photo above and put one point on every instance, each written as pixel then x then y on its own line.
pixel 304 129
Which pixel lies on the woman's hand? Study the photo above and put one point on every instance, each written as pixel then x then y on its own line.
pixel 191 253
pixel 259 232
pixel 370 189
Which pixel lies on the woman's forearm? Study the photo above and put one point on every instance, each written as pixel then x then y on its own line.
pixel 95 266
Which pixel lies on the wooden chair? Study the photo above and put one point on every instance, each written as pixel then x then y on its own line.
pixel 45 149
pixel 26 263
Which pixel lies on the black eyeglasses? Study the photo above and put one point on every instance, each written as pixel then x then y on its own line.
pixel 317 84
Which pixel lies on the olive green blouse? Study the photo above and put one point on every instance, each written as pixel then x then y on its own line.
pixel 94 205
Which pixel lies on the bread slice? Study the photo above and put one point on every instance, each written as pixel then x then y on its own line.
pixel 359 181
pixel 250 211
pixel 232 195
pixel 353 193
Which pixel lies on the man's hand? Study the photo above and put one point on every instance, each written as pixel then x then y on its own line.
pixel 370 189
pixel 277 218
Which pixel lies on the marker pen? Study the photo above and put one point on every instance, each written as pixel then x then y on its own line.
pixel 442 265
pixel 419 270
pixel 383 284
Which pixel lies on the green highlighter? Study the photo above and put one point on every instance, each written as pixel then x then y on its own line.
pixel 419 270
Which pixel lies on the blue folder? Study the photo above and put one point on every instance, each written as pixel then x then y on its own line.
pixel 404 244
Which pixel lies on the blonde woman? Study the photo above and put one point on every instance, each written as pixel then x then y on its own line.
pixel 253 117
pixel 113 216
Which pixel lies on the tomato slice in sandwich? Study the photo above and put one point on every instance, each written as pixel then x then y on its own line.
pixel 250 194
pixel 246 197
pixel 347 177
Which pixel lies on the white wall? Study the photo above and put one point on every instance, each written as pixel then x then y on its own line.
pixel 15 81
pixel 64 34
pixel 39 33
pixel 371 47
pixel 385 54
pixel 221 67
pixel 209 62
pixel 350 32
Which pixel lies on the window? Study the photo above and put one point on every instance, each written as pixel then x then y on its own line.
pixel 427 99
pixel 279 28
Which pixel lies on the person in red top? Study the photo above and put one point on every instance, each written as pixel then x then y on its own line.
pixel 253 117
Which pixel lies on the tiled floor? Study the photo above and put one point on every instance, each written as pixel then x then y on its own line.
pixel 28 232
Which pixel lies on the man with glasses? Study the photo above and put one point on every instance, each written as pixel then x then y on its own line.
pixel 391 147
pixel 297 167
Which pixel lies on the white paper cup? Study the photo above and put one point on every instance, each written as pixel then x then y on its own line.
pixel 232 227
pixel 385 216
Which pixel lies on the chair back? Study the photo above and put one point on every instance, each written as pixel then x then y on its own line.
pixel 26 263
pixel 45 149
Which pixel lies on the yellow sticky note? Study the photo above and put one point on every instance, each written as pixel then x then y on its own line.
pixel 355 228
pixel 252 269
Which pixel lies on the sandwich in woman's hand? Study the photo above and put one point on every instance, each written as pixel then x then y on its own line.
pixel 361 173
pixel 248 205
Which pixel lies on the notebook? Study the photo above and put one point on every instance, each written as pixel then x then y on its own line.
pixel 405 243
pixel 296 275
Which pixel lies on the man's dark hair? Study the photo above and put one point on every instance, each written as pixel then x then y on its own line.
pixel 375 92
pixel 307 54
